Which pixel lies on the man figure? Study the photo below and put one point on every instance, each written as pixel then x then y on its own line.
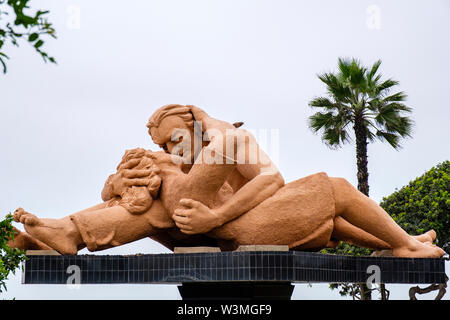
pixel 254 180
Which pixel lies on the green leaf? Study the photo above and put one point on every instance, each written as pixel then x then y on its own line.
pixel 33 37
pixel 2 62
pixel 38 44
pixel 22 24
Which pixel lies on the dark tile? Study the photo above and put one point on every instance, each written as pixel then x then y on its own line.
pixel 265 260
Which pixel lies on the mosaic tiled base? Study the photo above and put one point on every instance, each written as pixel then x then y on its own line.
pixel 290 266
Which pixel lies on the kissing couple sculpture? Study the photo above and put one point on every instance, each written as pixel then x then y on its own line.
pixel 218 193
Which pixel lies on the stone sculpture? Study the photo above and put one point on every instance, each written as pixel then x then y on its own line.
pixel 207 188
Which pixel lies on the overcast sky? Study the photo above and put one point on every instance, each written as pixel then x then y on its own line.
pixel 64 128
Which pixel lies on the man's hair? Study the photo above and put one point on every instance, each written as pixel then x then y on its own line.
pixel 171 110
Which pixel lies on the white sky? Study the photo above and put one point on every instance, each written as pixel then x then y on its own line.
pixel 64 128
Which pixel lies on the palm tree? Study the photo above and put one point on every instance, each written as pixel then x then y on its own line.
pixel 358 98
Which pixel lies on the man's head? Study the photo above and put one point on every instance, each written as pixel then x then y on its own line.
pixel 165 121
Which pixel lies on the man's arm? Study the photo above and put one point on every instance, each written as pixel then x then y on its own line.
pixel 258 189
pixel 263 177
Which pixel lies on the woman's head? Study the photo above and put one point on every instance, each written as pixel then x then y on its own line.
pixel 139 198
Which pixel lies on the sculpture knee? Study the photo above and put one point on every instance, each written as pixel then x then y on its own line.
pixel 344 193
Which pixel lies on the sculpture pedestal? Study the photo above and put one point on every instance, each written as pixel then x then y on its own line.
pixel 235 275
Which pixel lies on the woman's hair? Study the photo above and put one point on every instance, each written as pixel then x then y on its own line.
pixel 171 110
pixel 138 199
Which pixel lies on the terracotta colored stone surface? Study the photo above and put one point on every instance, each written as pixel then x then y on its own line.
pixel 300 215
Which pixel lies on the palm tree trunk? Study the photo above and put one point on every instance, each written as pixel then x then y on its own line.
pixel 361 157
pixel 363 180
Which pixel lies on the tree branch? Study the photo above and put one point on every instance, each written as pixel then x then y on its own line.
pixel 441 287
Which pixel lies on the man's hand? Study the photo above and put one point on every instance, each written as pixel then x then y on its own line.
pixel 195 217
pixel 207 121
pixel 124 178
pixel 129 178
pixel 199 114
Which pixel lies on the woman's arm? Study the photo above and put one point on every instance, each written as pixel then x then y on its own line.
pixel 107 192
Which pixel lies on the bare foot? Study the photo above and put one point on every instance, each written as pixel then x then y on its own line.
pixel 60 234
pixel 24 241
pixel 24 217
pixel 427 237
pixel 417 249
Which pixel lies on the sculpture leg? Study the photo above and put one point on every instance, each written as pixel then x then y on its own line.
pixel 99 206
pixel 110 227
pixel 97 229
pixel 345 231
pixel 366 214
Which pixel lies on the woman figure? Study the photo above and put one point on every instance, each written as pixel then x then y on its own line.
pixel 307 214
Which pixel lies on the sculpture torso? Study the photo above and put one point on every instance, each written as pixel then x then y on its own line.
pixel 176 186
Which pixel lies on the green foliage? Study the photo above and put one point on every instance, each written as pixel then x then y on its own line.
pixel 424 204
pixel 356 95
pixel 348 249
pixel 20 25
pixel 10 258
pixel 343 248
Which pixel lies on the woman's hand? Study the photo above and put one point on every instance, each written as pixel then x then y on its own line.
pixel 194 217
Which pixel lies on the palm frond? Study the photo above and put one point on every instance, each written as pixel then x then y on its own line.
pixel 384 87
pixel 344 65
pixel 336 88
pixel 391 138
pixel 373 70
pixel 400 125
pixel 333 127
pixel 320 120
pixel 335 137
pixel 386 113
pixel 368 124
pixel 396 97
pixel 399 106
pixel 358 95
pixel 357 76
pixel 322 102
